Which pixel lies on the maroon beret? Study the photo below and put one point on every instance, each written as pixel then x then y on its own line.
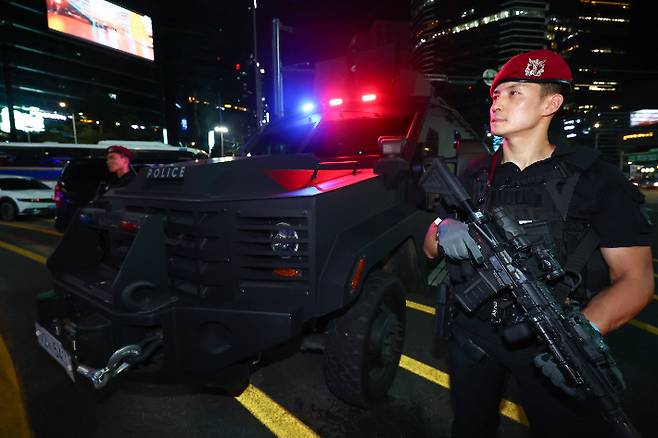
pixel 116 149
pixel 534 66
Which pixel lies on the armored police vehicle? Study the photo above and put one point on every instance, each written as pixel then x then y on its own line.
pixel 196 268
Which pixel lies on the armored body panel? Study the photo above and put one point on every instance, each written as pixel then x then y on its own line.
pixel 195 268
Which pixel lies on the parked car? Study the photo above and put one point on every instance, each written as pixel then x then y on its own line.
pixel 647 183
pixel 20 195
pixel 82 178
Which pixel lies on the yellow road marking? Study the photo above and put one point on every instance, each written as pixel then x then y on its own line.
pixel 13 419
pixel 509 409
pixel 32 228
pixel 24 252
pixel 425 371
pixel 421 307
pixel 634 322
pixel 274 416
pixel 644 326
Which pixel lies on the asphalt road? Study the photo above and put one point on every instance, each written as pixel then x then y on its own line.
pixel 290 382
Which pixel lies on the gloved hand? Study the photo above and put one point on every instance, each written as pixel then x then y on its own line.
pixel 456 242
pixel 549 368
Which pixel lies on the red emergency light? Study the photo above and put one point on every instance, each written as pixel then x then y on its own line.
pixel 128 226
pixel 336 101
pixel 368 97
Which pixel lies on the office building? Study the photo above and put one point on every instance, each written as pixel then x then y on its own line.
pixel 67 65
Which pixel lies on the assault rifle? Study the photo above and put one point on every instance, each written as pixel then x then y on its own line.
pixel 514 266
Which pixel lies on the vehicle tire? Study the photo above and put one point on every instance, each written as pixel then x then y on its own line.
pixel 8 210
pixel 365 343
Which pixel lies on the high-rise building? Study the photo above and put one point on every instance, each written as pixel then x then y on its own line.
pixel 456 42
pixel 65 64
pixel 595 38
pixel 208 68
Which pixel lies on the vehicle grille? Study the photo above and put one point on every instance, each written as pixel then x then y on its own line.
pixel 220 253
pixel 260 265
pixel 197 252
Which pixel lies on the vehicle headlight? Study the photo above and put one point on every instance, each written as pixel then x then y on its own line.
pixel 284 239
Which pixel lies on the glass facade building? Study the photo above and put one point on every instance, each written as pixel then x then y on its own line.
pixel 49 77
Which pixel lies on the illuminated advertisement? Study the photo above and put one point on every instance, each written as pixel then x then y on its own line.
pixel 103 23
pixel 27 119
pixel 644 117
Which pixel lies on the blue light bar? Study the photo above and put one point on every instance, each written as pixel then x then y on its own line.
pixel 86 219
pixel 308 107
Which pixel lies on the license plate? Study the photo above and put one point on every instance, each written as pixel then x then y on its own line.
pixel 55 349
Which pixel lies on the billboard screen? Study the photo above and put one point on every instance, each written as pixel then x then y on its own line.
pixel 103 23
pixel 644 117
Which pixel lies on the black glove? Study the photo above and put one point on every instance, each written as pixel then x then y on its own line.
pixel 549 368
pixel 456 242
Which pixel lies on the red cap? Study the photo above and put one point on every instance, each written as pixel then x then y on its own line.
pixel 116 149
pixel 534 66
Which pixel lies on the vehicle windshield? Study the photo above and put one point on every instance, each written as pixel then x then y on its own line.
pixel 329 138
pixel 21 184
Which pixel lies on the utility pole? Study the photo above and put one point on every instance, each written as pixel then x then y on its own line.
pixel 276 63
pixel 278 81
pixel 4 48
pixel 258 83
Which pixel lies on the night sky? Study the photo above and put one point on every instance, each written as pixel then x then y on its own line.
pixel 322 29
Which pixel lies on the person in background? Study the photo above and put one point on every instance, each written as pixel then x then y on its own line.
pixel 118 163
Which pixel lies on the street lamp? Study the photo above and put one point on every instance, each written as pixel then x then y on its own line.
pixel 222 130
pixel 75 134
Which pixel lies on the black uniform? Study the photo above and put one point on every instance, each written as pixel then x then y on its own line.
pixel 563 200
pixel 122 181
pixel 104 187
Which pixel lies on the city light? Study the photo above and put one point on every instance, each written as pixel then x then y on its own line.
pixel 211 141
pixel 222 129
pixel 638 135
pixel 62 104
pixel 308 107
pixel 368 97
pixel 335 102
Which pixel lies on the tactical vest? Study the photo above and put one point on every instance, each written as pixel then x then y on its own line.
pixel 541 205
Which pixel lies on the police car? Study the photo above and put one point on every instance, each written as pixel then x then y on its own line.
pixel 24 196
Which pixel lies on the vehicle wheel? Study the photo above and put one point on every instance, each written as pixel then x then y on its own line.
pixel 8 210
pixel 365 343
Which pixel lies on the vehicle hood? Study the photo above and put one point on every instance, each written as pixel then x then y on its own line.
pixel 244 178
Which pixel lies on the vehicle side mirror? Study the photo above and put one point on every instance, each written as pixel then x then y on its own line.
pixel 391 146
pixel 392 169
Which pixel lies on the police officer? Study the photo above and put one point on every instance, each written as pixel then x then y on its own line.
pixel 118 163
pixel 117 160
pixel 584 210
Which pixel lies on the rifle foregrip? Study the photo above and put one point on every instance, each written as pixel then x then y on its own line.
pixel 451 181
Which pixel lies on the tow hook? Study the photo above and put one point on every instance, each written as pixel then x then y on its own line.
pixel 118 362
